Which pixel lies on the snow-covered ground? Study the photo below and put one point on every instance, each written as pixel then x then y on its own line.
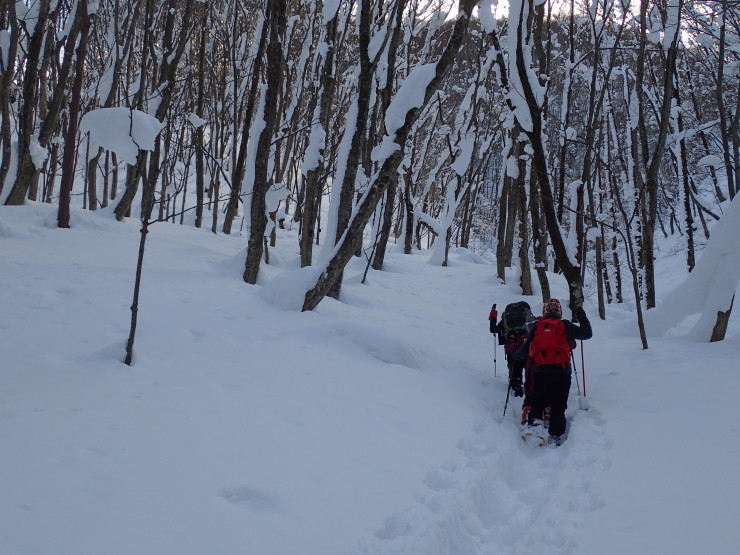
pixel 370 426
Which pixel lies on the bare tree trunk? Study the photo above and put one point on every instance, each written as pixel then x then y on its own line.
pixel 503 217
pixel 600 270
pixel 277 25
pixel 49 113
pixel 720 327
pixel 684 172
pixel 511 219
pixel 134 173
pixel 387 93
pixel 359 131
pixel 539 239
pixel 571 270
pixel 70 145
pixel 174 47
pixel 386 224
pixel 408 240
pixel 314 176
pixel 92 180
pixel 724 124
pixel 199 153
pixel 7 74
pixel 34 47
pixel 48 193
pixel 390 166
pixel 147 205
pixel 113 176
pixel 653 165
pixel 525 280
pixel 239 168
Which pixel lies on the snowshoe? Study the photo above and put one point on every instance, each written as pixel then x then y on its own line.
pixel 534 435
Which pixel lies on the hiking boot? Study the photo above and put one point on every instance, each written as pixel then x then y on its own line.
pixel 525 414
pixel 516 386
pixel 554 441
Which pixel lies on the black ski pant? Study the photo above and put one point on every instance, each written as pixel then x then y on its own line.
pixel 516 369
pixel 551 389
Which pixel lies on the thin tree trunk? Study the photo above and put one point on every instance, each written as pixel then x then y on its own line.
pixel 525 280
pixel 652 181
pixel 6 82
pixel 313 184
pixel 147 205
pixel 357 146
pixel 386 224
pixel 239 168
pixel 539 239
pixel 724 124
pixel 70 145
pixel 256 245
pixel 408 241
pixel 503 217
pixel 26 168
pixel 386 96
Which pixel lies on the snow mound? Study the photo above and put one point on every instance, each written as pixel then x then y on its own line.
pixel 709 288
pixel 288 290
pixel 122 131
pixel 380 344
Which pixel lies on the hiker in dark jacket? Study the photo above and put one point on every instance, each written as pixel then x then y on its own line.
pixel 511 340
pixel 551 369
pixel 516 367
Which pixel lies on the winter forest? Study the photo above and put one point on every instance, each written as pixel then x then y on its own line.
pixel 565 136
pixel 248 251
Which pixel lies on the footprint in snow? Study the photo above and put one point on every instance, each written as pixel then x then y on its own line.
pixel 251 498
pixel 497 496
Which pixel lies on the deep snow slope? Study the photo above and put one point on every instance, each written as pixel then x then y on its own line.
pixel 372 425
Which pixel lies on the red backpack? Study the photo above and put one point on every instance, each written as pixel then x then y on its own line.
pixel 550 343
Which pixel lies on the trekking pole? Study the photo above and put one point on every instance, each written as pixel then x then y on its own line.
pixel 575 372
pixel 506 404
pixel 583 401
pixel 495 351
pixel 583 369
pixel 492 318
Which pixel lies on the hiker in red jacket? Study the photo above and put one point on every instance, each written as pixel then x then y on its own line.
pixel 549 346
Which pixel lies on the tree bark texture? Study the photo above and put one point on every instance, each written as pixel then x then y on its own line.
pixel 26 127
pixel 277 23
pixel 70 145
pixel 315 177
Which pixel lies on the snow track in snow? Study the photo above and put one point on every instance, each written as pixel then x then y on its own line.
pixel 502 496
